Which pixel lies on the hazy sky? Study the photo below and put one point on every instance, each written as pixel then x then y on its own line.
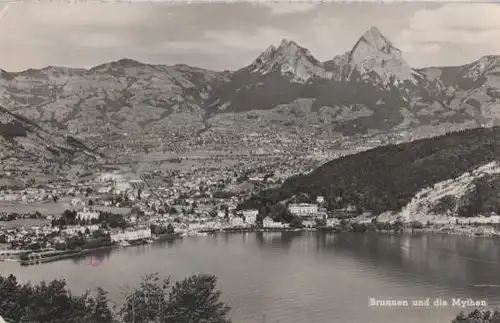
pixel 230 36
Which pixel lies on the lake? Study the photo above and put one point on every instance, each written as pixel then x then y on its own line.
pixel 304 277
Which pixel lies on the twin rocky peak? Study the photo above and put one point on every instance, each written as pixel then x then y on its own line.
pixel 373 55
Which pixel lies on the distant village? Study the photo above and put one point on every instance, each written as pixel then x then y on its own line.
pixel 121 209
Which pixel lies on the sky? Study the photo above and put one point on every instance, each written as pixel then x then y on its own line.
pixel 223 36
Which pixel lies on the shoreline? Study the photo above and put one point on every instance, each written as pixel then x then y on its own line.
pixel 65 254
pixel 462 230
pixel 469 230
pixel 255 229
pixel 70 254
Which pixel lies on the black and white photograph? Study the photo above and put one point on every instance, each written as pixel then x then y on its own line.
pixel 249 162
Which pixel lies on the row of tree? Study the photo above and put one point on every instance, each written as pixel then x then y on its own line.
pixel 106 219
pixel 11 216
pixel 193 300
pixel 478 316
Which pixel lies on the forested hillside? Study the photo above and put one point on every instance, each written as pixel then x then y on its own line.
pixel 386 178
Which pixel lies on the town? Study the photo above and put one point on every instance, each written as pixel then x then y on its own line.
pixel 127 206
pixel 50 221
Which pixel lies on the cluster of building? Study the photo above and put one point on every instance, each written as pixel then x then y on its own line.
pixel 87 214
pixel 28 195
pixel 131 234
pixel 191 201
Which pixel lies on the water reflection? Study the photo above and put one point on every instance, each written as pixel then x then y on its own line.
pixel 169 243
pixel 302 277
pixel 278 240
pixel 451 260
pixel 93 258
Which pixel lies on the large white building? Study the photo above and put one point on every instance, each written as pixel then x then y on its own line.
pixel 74 229
pixel 121 187
pixel 269 223
pixel 111 177
pixel 250 216
pixel 87 215
pixel 131 234
pixel 304 210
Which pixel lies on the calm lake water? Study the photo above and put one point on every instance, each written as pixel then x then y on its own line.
pixel 304 277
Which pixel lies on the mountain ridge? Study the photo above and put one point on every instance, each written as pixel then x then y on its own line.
pixel 369 90
pixel 132 60
pixel 27 148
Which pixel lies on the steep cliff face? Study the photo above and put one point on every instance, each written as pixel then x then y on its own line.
pixel 290 61
pixel 457 196
pixel 375 58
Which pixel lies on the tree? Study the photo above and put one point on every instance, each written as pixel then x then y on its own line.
pixel 461 317
pixel 170 229
pixel 478 316
pixel 31 182
pixel 444 204
pixel 398 226
pixel 320 222
pixel 101 312
pixel 146 303
pixel 345 225
pixel 195 300
pixel 52 302
pixel 495 317
pixel 213 213
pixel 296 223
pixel 417 225
pixel 68 217
pixel 9 298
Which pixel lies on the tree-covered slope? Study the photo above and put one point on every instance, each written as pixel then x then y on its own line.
pixel 386 178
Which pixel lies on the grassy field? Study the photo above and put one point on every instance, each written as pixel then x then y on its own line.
pixel 43 208
pixel 23 222
pixel 51 208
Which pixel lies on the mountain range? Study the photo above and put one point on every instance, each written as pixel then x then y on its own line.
pixel 370 89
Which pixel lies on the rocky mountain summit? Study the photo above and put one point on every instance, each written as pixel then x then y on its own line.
pixel 374 59
pixel 370 89
pixel 290 60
